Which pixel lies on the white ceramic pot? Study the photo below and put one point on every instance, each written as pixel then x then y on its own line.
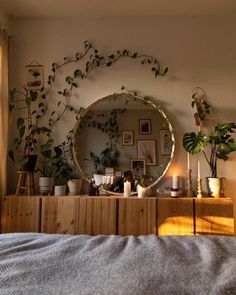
pixel 59 190
pixel 216 186
pixel 46 185
pixel 74 186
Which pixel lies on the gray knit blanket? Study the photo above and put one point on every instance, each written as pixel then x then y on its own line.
pixel 63 264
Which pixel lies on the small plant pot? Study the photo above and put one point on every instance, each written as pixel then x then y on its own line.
pixel 74 186
pixel 46 185
pixel 216 186
pixel 59 190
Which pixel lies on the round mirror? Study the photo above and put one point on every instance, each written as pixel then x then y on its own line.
pixel 123 137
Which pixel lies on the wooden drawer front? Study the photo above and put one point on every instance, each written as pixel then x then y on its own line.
pixel 214 217
pixel 137 217
pixel 20 214
pixel 59 215
pixel 175 217
pixel 97 216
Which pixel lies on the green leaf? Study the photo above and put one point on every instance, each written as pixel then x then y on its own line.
pixel 20 122
pixel 194 143
pixel 22 131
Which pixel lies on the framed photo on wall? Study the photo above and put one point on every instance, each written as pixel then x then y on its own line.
pixel 138 167
pixel 144 126
pixel 166 142
pixel 34 76
pixel 127 137
pixel 146 149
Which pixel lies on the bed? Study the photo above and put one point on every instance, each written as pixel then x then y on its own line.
pixel 32 263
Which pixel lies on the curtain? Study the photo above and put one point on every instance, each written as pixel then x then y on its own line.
pixel 4 90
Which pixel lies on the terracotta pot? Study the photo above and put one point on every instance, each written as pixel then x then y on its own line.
pixel 74 186
pixel 216 186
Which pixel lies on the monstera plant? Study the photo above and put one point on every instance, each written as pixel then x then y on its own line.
pixel 217 145
pixel 220 140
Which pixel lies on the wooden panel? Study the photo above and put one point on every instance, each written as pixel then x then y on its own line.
pixel 214 216
pixel 20 214
pixel 137 216
pixel 97 216
pixel 175 216
pixel 60 215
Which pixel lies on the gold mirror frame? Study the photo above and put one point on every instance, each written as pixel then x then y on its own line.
pixel 140 99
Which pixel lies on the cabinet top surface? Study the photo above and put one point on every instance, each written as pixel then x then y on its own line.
pixel 122 197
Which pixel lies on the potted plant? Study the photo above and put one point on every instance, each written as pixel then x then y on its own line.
pixel 62 171
pixel 27 123
pixel 221 144
pixel 46 180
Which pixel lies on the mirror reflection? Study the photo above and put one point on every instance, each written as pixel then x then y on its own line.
pixel 123 137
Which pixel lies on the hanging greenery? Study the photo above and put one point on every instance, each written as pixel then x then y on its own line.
pixel 90 59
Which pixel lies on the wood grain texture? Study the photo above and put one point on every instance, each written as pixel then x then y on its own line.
pixel 20 214
pixel 175 216
pixel 214 216
pixel 136 216
pixel 60 215
pixel 97 216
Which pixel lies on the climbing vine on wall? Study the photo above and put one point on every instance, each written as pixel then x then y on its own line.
pixel 86 61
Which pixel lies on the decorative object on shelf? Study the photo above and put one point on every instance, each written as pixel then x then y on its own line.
pixel 35 76
pixel 147 149
pixel 127 188
pixel 74 186
pixel 25 184
pixel 216 186
pixel 144 126
pixel 127 137
pixel 83 141
pixel 190 193
pixel 60 190
pixel 221 142
pixel 138 166
pixel 175 181
pixel 141 191
pixel 46 184
pixel 199 188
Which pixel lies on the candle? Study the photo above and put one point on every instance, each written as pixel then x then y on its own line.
pixel 175 181
pixel 141 191
pixel 188 161
pixel 198 169
pixel 112 179
pixel 127 188
pixel 108 178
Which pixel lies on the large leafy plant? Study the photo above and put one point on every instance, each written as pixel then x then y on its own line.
pixel 220 141
pixel 28 128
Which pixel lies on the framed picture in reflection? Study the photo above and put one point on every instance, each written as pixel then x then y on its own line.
pixel 138 167
pixel 127 137
pixel 144 126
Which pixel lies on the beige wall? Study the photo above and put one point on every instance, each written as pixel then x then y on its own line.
pixel 3 17
pixel 198 52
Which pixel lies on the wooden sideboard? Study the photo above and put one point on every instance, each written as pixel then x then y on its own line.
pixel 117 215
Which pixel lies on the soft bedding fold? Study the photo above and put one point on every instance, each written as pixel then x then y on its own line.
pixel 62 264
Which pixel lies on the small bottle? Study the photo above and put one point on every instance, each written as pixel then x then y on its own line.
pixel 92 188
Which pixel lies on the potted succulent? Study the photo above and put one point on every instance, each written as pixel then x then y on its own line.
pixel 28 128
pixel 221 144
